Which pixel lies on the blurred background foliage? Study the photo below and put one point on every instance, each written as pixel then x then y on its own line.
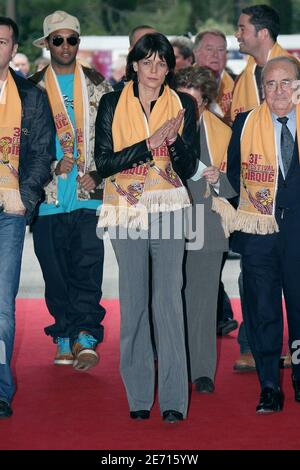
pixel 118 17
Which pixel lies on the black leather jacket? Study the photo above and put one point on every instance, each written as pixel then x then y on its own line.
pixel 108 162
pixel 37 144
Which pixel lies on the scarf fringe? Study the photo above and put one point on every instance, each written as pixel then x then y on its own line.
pixel 255 224
pixel 165 200
pixel 227 213
pixel 11 200
pixel 130 217
pixel 136 217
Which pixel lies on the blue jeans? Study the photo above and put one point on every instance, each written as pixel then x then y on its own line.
pixel 12 232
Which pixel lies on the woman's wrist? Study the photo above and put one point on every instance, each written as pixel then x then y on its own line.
pixel 170 141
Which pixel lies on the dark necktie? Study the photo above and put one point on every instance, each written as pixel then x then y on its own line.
pixel 257 75
pixel 286 144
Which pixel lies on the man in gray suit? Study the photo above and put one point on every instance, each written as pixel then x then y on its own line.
pixel 203 265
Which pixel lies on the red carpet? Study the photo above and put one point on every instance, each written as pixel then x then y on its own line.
pixel 58 408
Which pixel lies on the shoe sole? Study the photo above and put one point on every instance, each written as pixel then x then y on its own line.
pixel 140 417
pixel 63 362
pixel 282 365
pixel 172 421
pixel 244 369
pixel 268 412
pixel 85 360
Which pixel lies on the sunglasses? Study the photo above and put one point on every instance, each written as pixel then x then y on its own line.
pixel 71 40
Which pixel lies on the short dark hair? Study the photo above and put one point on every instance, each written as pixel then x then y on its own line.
pixel 138 28
pixel 153 43
pixel 6 21
pixel 185 46
pixel 198 77
pixel 263 16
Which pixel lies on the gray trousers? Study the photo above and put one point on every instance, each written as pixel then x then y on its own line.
pixel 201 296
pixel 137 361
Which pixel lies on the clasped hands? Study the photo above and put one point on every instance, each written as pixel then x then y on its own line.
pixel 64 167
pixel 167 132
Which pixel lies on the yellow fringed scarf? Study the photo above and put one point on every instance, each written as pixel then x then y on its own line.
pixel 10 131
pixel 225 93
pixel 245 92
pixel 259 173
pixel 130 195
pixel 217 138
pixel 64 128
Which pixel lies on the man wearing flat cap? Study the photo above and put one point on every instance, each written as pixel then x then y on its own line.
pixel 65 242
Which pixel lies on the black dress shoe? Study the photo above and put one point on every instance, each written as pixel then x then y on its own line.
pixel 140 414
pixel 204 385
pixel 172 416
pixel 224 327
pixel 5 410
pixel 296 385
pixel 270 401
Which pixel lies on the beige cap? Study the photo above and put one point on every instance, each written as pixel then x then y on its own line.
pixel 58 20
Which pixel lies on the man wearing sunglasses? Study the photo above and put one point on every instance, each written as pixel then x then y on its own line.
pixel 65 242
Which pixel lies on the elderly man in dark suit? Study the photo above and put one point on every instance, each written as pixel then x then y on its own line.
pixel 263 168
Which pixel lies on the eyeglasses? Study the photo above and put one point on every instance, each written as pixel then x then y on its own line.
pixel 71 40
pixel 284 85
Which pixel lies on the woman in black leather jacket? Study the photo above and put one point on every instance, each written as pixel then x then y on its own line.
pixel 145 137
